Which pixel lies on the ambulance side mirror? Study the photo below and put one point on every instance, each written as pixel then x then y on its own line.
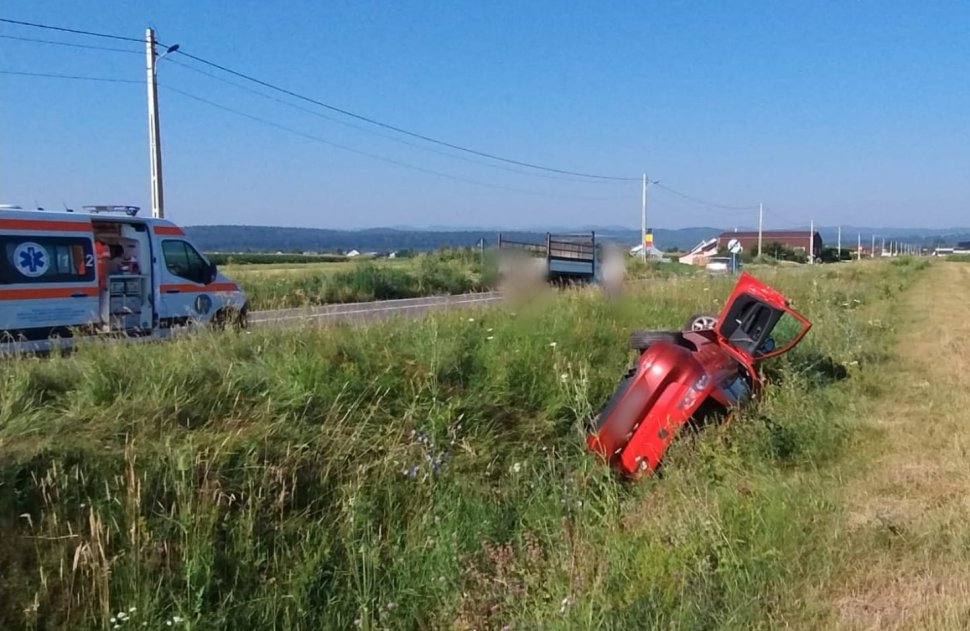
pixel 211 273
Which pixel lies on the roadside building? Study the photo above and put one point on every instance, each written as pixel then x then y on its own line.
pixel 653 253
pixel 798 240
pixel 701 253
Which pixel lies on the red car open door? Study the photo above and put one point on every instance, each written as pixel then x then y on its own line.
pixel 757 322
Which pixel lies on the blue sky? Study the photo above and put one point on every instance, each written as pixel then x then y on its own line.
pixel 842 112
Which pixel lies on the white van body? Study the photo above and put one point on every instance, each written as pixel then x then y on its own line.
pixel 54 284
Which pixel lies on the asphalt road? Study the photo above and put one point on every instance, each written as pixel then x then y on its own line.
pixel 362 311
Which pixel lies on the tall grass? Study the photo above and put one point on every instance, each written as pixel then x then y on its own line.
pixel 423 474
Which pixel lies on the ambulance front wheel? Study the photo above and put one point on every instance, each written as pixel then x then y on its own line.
pixel 231 318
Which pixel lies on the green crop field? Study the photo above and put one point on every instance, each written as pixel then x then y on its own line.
pixel 429 473
pixel 281 285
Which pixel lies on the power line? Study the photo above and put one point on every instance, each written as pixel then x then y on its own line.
pixel 348 113
pixel 377 133
pixel 400 130
pixel 701 201
pixel 310 136
pixel 72 45
pixel 72 30
pixel 372 155
pixel 50 75
pixel 790 222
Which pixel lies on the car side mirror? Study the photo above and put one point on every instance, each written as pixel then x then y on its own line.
pixel 212 273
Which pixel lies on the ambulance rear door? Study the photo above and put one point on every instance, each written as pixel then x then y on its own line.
pixel 48 282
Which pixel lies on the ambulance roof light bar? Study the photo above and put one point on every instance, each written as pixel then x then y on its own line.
pixel 131 211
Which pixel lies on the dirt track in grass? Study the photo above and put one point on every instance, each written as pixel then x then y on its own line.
pixel 907 532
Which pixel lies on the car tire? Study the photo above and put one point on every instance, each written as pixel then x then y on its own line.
pixel 641 340
pixel 231 318
pixel 702 321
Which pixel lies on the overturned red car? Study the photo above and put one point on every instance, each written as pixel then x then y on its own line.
pixel 680 376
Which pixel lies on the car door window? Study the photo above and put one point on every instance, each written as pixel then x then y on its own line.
pixel 183 261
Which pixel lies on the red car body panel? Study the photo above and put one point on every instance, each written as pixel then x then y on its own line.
pixel 671 382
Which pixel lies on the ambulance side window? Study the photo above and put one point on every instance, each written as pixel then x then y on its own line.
pixel 29 259
pixel 182 260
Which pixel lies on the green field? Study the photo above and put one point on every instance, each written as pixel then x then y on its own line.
pixel 281 285
pixel 430 473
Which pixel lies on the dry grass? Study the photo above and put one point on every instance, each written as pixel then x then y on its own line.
pixel 907 542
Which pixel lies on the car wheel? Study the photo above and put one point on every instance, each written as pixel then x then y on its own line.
pixel 231 318
pixel 702 321
pixel 641 340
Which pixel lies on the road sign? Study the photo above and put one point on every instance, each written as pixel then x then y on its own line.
pixel 734 246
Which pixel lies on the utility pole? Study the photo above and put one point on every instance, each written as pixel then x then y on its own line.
pixel 872 247
pixel 858 248
pixel 761 220
pixel 882 250
pixel 839 257
pixel 154 137
pixel 811 242
pixel 643 221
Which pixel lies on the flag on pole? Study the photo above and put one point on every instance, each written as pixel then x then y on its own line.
pixel 648 238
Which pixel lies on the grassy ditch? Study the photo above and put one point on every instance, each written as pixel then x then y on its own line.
pixel 425 474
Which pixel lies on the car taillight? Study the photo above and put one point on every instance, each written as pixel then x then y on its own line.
pixel 690 397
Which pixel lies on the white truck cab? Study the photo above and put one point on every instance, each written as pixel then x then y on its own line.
pixel 103 271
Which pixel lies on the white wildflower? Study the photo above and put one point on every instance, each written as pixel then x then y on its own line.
pixel 517 467
pixel 552 344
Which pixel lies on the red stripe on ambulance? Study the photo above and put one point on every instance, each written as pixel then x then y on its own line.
pixel 168 230
pixel 187 288
pixel 45 226
pixel 47 292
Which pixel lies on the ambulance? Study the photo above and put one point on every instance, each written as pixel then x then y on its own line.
pixel 104 272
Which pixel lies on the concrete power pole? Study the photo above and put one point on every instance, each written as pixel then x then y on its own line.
pixel 643 220
pixel 872 247
pixel 811 242
pixel 761 220
pixel 839 256
pixel 858 248
pixel 154 137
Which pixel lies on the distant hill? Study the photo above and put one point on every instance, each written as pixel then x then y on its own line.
pixel 272 239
